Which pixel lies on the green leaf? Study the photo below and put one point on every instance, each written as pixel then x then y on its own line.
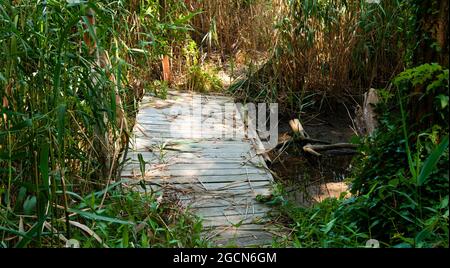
pixel 407 197
pixel 8 230
pixel 403 245
pixel 43 164
pixel 21 195
pixel 102 192
pixel 24 124
pixel 95 217
pixel 61 113
pixel 444 202
pixel 444 100
pixel 29 205
pixel 125 238
pixel 34 231
pixel 420 237
pixel 394 183
pixel 142 164
pixel 2 78
pixel 329 226
pixel 431 162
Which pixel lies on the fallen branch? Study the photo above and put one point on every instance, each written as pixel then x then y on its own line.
pixel 300 131
pixel 315 149
pixel 314 146
pixel 298 128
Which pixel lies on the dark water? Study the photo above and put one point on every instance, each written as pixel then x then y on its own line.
pixel 308 179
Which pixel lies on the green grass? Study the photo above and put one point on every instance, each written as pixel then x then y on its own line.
pixel 127 219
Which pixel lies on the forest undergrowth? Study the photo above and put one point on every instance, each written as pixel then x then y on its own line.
pixel 72 75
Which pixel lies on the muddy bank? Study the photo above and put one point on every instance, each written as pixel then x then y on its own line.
pixel 309 179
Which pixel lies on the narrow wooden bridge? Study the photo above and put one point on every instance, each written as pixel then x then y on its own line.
pixel 196 146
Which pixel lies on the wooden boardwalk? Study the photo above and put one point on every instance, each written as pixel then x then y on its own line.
pixel 196 147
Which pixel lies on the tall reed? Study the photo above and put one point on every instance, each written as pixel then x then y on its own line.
pixel 232 25
pixel 66 90
pixel 331 48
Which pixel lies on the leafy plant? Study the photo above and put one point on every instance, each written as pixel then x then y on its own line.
pixel 199 77
pixel 403 175
pixel 69 82
pixel 400 182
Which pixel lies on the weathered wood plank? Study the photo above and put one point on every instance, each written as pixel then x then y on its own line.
pixel 251 178
pixel 235 220
pixel 245 212
pixel 190 172
pixel 143 143
pixel 133 159
pixel 166 155
pixel 194 166
pixel 209 187
pixel 245 239
pixel 242 204
pixel 189 198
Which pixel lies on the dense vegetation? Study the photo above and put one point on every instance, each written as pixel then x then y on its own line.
pixel 400 185
pixel 69 91
pixel 71 77
pixel 400 181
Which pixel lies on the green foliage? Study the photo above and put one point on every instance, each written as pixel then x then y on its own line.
pixel 150 221
pixel 60 134
pixel 159 88
pixel 126 220
pixel 199 78
pixel 328 47
pixel 324 225
pixel 434 79
pixel 401 182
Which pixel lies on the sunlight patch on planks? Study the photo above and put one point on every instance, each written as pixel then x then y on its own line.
pixel 206 159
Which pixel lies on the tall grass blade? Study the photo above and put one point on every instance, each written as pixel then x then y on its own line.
pixel 432 161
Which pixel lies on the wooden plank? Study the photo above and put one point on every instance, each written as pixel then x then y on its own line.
pixel 133 159
pixel 244 239
pixel 163 139
pixel 244 212
pixel 190 198
pixel 190 172
pixel 242 203
pixel 251 178
pixel 186 125
pixel 149 153
pixel 224 186
pixel 145 119
pixel 197 142
pixel 151 124
pixel 186 155
pixel 176 129
pixel 193 135
pixel 185 147
pixel 178 111
pixel 227 231
pixel 208 187
pixel 193 166
pixel 234 220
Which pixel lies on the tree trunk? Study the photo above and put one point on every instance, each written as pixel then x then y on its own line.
pixel 432 35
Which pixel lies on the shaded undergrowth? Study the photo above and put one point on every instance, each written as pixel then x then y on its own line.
pixel 400 182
